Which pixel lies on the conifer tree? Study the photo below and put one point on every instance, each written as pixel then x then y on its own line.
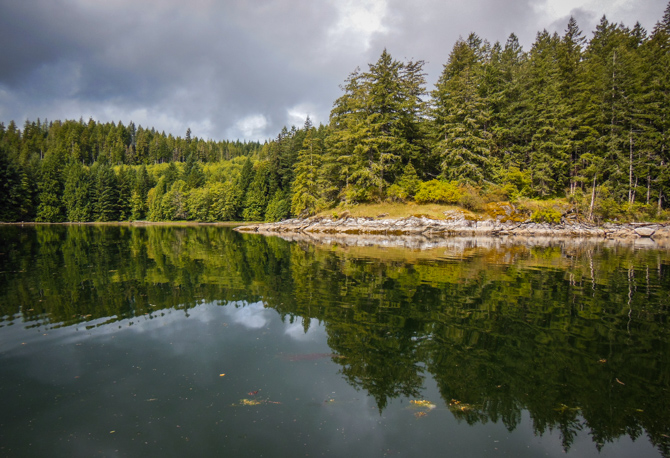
pixel 50 188
pixel 461 116
pixel 124 184
pixel 258 194
pixel 375 127
pixel 106 194
pixel 15 192
pixel 547 118
pixel 503 89
pixel 307 189
pixel 77 193
pixel 611 93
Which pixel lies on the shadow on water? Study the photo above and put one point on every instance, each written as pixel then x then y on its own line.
pixel 577 335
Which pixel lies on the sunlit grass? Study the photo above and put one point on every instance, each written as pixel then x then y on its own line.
pixel 394 210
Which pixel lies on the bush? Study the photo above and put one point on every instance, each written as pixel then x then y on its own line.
pixel 471 199
pixel 546 215
pixel 406 186
pixel 397 193
pixel 517 182
pixel 544 211
pixel 436 191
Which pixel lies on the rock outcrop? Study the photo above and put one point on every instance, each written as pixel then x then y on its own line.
pixel 456 225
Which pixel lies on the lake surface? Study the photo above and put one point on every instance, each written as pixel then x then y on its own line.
pixel 185 341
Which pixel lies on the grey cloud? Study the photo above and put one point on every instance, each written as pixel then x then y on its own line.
pixel 210 64
pixel 429 31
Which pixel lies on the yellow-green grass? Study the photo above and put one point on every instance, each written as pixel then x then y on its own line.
pixel 395 210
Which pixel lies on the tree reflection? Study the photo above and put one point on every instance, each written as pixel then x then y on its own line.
pixel 576 336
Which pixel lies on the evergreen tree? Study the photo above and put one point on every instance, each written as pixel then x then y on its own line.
pixel 307 187
pixel 139 193
pixel 569 54
pixel 547 118
pixel 375 127
pixel 77 193
pixel 258 195
pixel 503 86
pixel 611 101
pixel 15 192
pixel 193 175
pixel 461 116
pixel 124 181
pixel 242 186
pixel 106 194
pixel 50 188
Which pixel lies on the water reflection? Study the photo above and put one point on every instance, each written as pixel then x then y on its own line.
pixel 573 335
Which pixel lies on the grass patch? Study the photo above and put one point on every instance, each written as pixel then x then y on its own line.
pixel 394 210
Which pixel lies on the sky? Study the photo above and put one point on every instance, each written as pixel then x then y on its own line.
pixel 243 69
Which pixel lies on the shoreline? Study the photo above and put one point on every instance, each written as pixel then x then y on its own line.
pixel 129 223
pixel 655 234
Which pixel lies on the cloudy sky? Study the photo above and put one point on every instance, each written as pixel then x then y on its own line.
pixel 242 69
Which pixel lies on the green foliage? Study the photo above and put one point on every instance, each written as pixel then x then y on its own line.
pixel 257 197
pixel 566 118
pixel 279 207
pixel 461 116
pixel 174 202
pixel 105 194
pixel 375 127
pixel 546 215
pixel 516 183
pixel 138 207
pixel 77 195
pixel 308 187
pixel 226 201
pixel 155 202
pixel 438 191
pixel 15 191
pixel 406 186
pixel 471 198
pixel 543 211
pixel 50 188
pixel 199 203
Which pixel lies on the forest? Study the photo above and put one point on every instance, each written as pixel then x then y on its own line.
pixel 582 124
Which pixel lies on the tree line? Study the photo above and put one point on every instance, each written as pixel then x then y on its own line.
pixel 585 121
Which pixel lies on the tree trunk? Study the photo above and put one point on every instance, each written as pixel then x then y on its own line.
pixel 630 171
pixel 660 196
pixel 593 199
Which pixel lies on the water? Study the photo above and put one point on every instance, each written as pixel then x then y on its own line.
pixel 177 341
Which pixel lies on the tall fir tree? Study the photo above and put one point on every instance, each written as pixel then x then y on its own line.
pixel 548 149
pixel 307 187
pixel 106 194
pixel 461 116
pixel 50 187
pixel 77 193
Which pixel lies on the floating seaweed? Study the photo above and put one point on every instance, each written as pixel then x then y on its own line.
pixel 423 403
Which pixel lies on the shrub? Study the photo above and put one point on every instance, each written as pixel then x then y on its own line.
pixel 546 215
pixel 406 186
pixel 397 193
pixel 436 191
pixel 471 199
pixel 517 182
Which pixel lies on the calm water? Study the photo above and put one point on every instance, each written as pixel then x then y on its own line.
pixel 185 341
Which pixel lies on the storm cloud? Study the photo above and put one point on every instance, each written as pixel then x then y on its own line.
pixel 238 68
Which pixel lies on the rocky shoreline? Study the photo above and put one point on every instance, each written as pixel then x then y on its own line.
pixel 459 226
